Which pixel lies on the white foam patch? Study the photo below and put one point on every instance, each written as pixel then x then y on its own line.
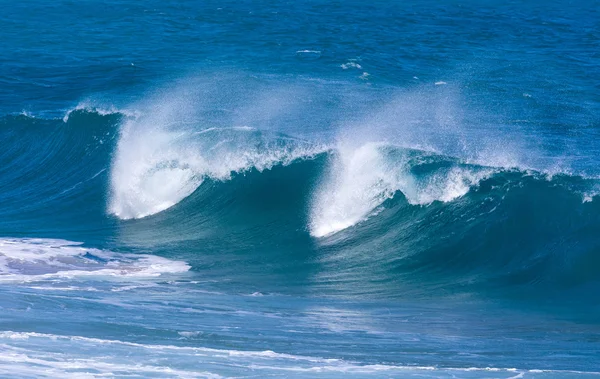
pixel 589 197
pixel 160 162
pixel 308 52
pixel 265 354
pixel 350 65
pixel 360 179
pixel 28 260
pixel 19 363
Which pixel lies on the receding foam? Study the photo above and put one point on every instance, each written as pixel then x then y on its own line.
pixel 35 259
pixel 157 164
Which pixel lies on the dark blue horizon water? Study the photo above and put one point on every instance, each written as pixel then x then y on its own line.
pixel 299 189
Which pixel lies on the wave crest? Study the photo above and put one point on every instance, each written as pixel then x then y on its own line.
pixel 360 179
pixel 155 168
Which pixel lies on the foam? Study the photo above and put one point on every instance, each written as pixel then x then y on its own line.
pixel 53 366
pixel 264 354
pixel 350 65
pixel 26 114
pixel 29 259
pixel 589 196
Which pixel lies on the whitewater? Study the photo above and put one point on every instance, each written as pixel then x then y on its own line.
pixel 307 190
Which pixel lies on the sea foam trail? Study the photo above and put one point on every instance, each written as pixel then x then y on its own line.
pixel 361 178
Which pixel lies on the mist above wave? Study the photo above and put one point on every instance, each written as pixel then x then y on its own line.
pixel 217 127
pixel 166 153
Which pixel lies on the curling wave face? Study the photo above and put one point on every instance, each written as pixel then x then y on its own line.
pixel 155 169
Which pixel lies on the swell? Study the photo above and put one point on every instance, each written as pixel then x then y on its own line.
pixel 282 214
pixel 53 171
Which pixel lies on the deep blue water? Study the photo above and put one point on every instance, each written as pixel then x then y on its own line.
pixel 299 189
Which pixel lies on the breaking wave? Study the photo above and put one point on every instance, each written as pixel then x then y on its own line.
pixel 370 213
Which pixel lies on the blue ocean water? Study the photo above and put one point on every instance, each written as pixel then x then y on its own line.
pixel 299 189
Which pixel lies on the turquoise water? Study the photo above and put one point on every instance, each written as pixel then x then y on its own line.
pixel 307 189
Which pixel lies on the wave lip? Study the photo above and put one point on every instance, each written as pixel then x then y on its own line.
pixel 89 106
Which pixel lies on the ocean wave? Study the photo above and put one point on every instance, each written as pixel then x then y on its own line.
pixel 357 204
pixel 379 218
